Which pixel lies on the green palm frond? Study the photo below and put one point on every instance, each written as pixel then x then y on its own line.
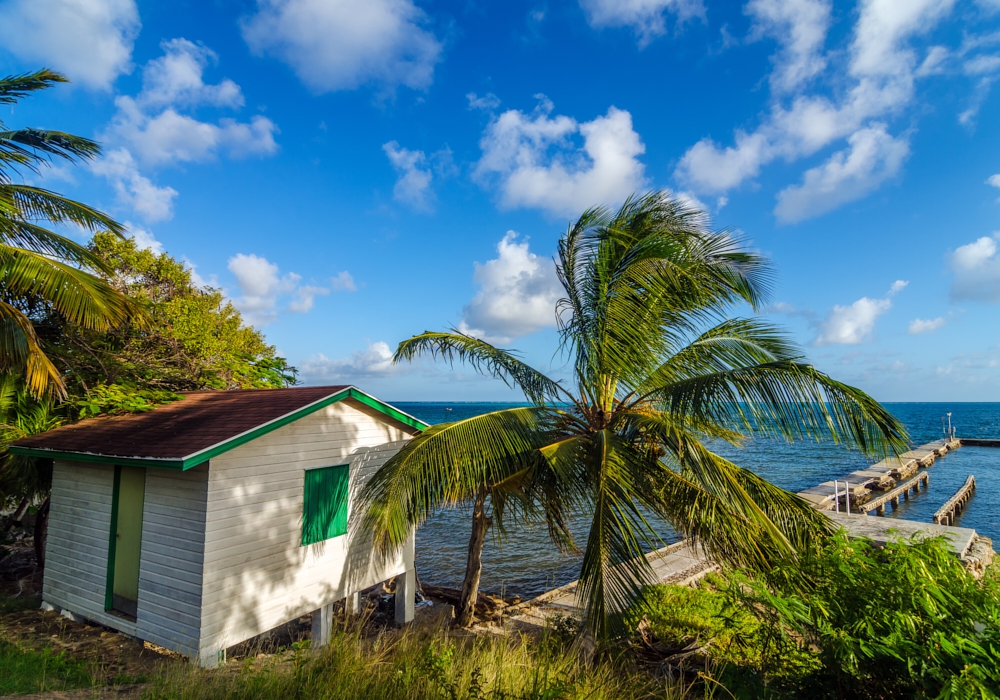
pixel 37 264
pixel 36 204
pixel 484 358
pixel 20 352
pixel 788 400
pixel 15 87
pixel 446 465
pixel 78 296
pixel 614 567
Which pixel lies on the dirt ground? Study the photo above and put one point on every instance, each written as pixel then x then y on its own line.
pixel 112 658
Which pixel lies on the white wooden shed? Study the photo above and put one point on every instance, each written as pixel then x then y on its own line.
pixel 214 519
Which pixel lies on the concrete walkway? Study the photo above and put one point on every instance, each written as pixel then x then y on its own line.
pixel 677 563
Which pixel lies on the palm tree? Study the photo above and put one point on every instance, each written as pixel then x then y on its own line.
pixel 659 373
pixel 38 265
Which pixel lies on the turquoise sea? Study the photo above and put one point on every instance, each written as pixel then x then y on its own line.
pixel 527 564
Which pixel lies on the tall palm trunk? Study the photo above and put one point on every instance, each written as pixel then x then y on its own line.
pixel 474 565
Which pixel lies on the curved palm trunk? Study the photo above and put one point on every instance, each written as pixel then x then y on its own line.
pixel 474 565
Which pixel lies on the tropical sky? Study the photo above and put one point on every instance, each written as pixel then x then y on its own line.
pixel 352 172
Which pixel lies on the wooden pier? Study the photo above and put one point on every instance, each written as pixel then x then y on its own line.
pixel 947 513
pixel 892 497
pixel 879 477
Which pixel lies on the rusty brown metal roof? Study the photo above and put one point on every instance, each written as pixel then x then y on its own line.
pixel 203 424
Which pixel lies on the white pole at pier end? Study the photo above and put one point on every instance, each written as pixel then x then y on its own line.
pixel 836 495
pixel 847 497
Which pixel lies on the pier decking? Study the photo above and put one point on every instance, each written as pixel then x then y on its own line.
pixel 878 476
pixel 946 514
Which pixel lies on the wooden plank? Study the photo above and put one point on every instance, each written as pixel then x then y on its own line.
pixel 170 600
pixel 164 568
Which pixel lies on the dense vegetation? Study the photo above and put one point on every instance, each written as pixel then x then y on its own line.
pixel 847 620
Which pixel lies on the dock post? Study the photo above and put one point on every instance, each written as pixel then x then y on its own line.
pixel 847 497
pixel 836 496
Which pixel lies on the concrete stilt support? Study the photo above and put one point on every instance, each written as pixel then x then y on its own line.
pixel 880 510
pixel 211 659
pixel 406 583
pixel 322 624
pixel 352 603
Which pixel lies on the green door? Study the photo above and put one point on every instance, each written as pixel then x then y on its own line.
pixel 126 515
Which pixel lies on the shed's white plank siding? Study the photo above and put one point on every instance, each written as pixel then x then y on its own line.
pixel 170 570
pixel 257 575
pixel 76 566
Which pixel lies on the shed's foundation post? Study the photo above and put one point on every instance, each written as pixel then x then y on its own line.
pixel 406 583
pixel 352 603
pixel 211 659
pixel 322 623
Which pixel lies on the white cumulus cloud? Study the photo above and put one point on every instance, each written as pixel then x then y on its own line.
pixel 853 325
pixel 413 183
pixel 977 271
pixel 157 131
pixel 919 325
pixel 177 78
pixel 536 163
pixel 262 286
pixel 487 102
pixel 647 18
pixel 994 180
pixel 144 240
pixel 800 27
pixel 374 361
pixel 881 69
pixel 136 191
pixel 343 282
pixel 343 44
pixel 90 41
pixel 873 157
pixel 517 295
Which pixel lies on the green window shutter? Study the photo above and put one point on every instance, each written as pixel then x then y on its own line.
pixel 324 508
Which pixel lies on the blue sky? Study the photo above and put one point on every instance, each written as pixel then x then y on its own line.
pixel 352 172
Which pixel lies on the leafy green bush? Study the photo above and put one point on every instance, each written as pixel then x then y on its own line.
pixel 903 621
pixel 750 657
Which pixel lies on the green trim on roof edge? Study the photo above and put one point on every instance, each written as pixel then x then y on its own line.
pixel 208 453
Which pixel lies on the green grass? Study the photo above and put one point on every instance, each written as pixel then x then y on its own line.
pixel 24 671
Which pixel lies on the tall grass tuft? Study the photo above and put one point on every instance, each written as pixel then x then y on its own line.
pixel 416 665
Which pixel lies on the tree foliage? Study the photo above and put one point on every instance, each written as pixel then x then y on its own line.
pixel 195 339
pixel 659 369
